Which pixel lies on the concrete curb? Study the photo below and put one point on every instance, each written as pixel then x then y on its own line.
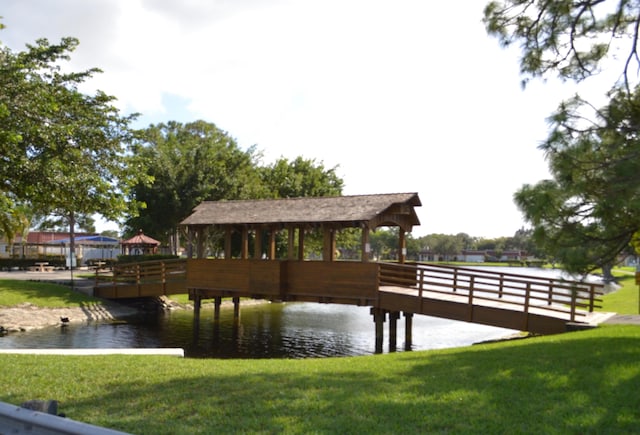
pixel 106 351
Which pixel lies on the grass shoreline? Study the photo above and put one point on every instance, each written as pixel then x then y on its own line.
pixel 578 382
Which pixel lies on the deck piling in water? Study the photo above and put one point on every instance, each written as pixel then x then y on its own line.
pixel 217 302
pixel 236 310
pixel 408 331
pixel 379 317
pixel 393 330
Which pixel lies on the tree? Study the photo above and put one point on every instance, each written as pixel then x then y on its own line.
pixel 302 177
pixel 75 145
pixel 299 178
pixel 15 220
pixel 188 163
pixel 566 37
pixel 83 223
pixel 586 215
pixel 590 211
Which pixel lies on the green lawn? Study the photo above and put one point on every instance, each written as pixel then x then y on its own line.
pixel 625 299
pixel 580 382
pixel 14 292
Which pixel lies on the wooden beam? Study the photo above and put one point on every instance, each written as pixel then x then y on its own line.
pixel 329 244
pixel 408 331
pixel 190 236
pixel 244 249
pixel 227 243
pixel 379 317
pixel 402 253
pixel 301 243
pixel 271 252
pixel 257 244
pixel 291 236
pixel 200 242
pixel 366 244
pixel 393 330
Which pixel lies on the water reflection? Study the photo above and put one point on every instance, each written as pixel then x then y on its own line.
pixel 277 330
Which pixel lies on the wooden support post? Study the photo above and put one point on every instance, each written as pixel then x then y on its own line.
pixel 402 255
pixel 301 243
pixel 257 245
pixel 236 310
pixel 197 304
pixel 227 243
pixel 366 245
pixel 244 248
pixel 217 301
pixel 329 245
pixel 200 242
pixel 189 242
pixel 271 252
pixel 393 330
pixel 291 237
pixel 408 331
pixel 470 301
pixel 379 317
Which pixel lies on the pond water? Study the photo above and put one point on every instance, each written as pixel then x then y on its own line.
pixel 269 330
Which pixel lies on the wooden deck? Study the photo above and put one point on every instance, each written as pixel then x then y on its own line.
pixel 527 303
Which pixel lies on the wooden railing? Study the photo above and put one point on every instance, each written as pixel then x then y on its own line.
pixel 477 286
pixel 460 293
pixel 149 278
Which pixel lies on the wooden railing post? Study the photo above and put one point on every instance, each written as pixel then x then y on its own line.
pixel 471 286
pixel 138 280
pixel 455 280
pixel 420 289
pixel 550 298
pixel 592 296
pixel 527 295
pixel 574 295
pixel 163 276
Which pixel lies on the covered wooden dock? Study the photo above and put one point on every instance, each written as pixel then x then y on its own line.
pixel 390 289
pixel 258 220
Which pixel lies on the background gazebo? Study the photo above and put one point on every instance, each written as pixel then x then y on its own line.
pixel 140 244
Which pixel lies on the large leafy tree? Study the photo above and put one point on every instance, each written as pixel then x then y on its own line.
pixel 188 163
pixel 303 177
pixel 588 213
pixel 63 152
pixel 300 177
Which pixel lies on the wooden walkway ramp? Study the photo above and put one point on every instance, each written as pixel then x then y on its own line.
pixel 521 302
pixel 543 305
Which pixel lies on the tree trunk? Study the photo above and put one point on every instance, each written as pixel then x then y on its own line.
pixel 72 239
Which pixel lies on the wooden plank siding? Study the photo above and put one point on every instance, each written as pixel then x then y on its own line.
pixel 339 282
pixel 528 303
pixel 247 278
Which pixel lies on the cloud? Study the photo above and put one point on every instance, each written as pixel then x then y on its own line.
pixel 404 96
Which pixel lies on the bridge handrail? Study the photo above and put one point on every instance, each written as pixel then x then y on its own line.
pixel 145 272
pixel 550 294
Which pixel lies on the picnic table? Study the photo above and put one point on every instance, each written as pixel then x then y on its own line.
pixel 42 267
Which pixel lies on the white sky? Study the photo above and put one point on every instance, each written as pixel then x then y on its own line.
pixel 402 95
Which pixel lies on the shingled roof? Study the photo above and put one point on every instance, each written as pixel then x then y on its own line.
pixel 345 211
